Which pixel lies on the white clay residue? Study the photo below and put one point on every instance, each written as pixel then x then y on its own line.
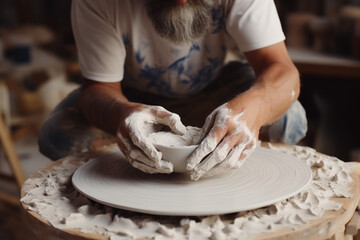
pixel 170 139
pixel 52 196
pixel 292 95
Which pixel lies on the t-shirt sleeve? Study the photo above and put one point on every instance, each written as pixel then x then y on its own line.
pixel 100 47
pixel 254 24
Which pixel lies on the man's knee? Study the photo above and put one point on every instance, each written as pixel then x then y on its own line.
pixel 60 131
pixel 67 132
pixel 291 127
pixel 55 138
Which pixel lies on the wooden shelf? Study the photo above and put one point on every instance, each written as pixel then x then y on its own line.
pixel 324 65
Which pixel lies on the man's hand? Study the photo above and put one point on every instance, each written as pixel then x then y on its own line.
pixel 133 142
pixel 229 139
pixel 232 130
pixel 105 106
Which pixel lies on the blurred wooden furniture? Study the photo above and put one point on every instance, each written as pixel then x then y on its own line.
pixel 310 62
pixel 7 145
pixel 328 83
pixel 22 123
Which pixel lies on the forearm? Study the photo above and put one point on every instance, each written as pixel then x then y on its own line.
pixel 275 90
pixel 277 85
pixel 104 105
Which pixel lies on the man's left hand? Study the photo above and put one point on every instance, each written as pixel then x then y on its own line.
pixel 230 136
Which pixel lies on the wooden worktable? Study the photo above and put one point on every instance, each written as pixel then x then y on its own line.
pixel 331 225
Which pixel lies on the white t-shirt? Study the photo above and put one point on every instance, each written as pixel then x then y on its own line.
pixel 116 41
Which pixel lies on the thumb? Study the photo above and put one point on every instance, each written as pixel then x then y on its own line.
pixel 174 122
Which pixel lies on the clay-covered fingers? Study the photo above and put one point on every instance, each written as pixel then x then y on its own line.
pixel 151 170
pixel 249 149
pixel 233 160
pixel 158 115
pixel 207 146
pixel 204 157
pixel 228 154
pixel 123 143
pixel 169 119
pixel 134 142
pixel 214 158
pixel 139 140
pixel 139 160
pixel 230 162
pixel 209 124
pixel 240 152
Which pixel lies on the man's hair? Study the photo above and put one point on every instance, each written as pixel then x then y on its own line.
pixel 180 23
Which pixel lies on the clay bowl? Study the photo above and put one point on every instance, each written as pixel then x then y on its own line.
pixel 177 155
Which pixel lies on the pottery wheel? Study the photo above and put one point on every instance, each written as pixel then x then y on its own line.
pixel 266 177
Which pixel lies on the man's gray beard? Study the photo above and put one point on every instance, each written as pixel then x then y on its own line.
pixel 180 23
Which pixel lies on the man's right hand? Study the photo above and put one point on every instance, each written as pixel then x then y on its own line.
pixel 132 137
pixel 106 107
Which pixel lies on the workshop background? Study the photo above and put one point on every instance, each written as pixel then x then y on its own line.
pixel 39 67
